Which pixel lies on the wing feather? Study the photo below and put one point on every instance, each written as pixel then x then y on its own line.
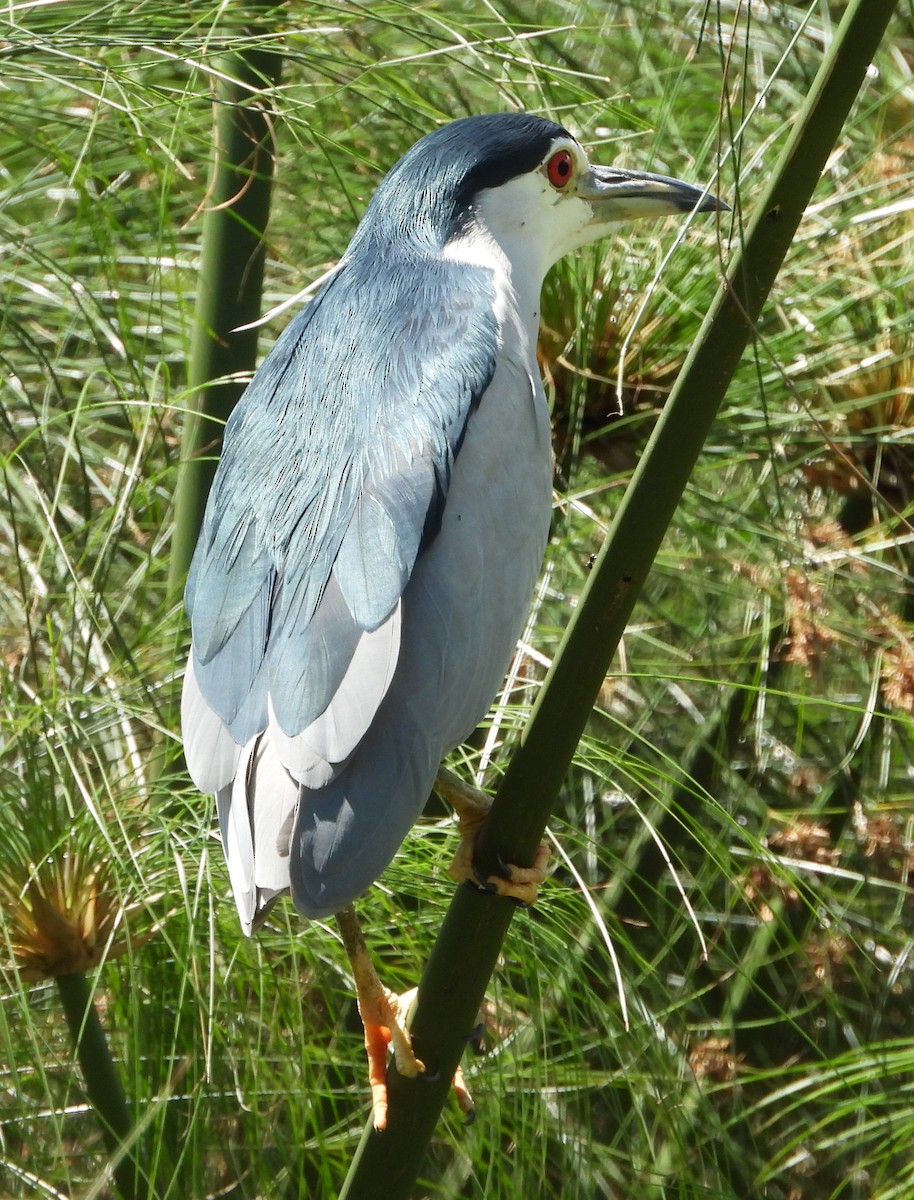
pixel 335 470
pixel 256 816
pixel 238 840
pixel 314 755
pixel 211 753
pixel 308 660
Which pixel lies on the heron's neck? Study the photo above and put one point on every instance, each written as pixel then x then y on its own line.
pixel 518 279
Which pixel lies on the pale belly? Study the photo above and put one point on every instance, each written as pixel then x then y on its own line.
pixel 470 593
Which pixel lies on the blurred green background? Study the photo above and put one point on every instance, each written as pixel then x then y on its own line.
pixel 740 817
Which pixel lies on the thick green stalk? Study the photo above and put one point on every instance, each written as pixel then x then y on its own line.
pixel 103 1082
pixel 468 945
pixel 230 287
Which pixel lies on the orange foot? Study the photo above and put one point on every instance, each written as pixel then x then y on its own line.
pixel 384 1016
pixel 472 807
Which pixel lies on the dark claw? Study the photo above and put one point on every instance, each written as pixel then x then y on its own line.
pixel 503 869
pixel 483 885
pixel 470 1119
pixel 505 872
pixel 480 884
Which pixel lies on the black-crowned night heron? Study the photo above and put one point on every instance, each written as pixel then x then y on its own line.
pixel 378 520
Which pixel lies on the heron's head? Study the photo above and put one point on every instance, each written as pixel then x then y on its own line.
pixel 521 181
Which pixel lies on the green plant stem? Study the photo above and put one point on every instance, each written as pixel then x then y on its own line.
pixel 230 286
pixel 102 1079
pixel 465 953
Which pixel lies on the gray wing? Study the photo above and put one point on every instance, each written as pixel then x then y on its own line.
pixel 334 474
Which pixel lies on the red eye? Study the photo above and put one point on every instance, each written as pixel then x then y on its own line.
pixel 559 168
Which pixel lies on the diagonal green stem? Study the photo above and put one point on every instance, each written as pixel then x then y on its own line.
pixel 471 936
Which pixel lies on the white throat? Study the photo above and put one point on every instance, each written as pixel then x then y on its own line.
pixel 518 231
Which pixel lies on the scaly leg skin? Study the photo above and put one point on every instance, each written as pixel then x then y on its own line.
pixel 384 1017
pixel 472 807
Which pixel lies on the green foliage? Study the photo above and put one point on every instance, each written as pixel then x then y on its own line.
pixel 739 817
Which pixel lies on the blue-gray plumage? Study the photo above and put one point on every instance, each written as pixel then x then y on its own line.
pixel 380 512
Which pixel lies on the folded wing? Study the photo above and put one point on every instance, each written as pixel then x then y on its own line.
pixel 334 474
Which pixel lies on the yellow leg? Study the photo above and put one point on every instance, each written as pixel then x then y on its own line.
pixel 384 1015
pixel 472 808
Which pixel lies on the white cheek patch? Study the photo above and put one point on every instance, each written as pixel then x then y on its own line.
pixel 533 222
